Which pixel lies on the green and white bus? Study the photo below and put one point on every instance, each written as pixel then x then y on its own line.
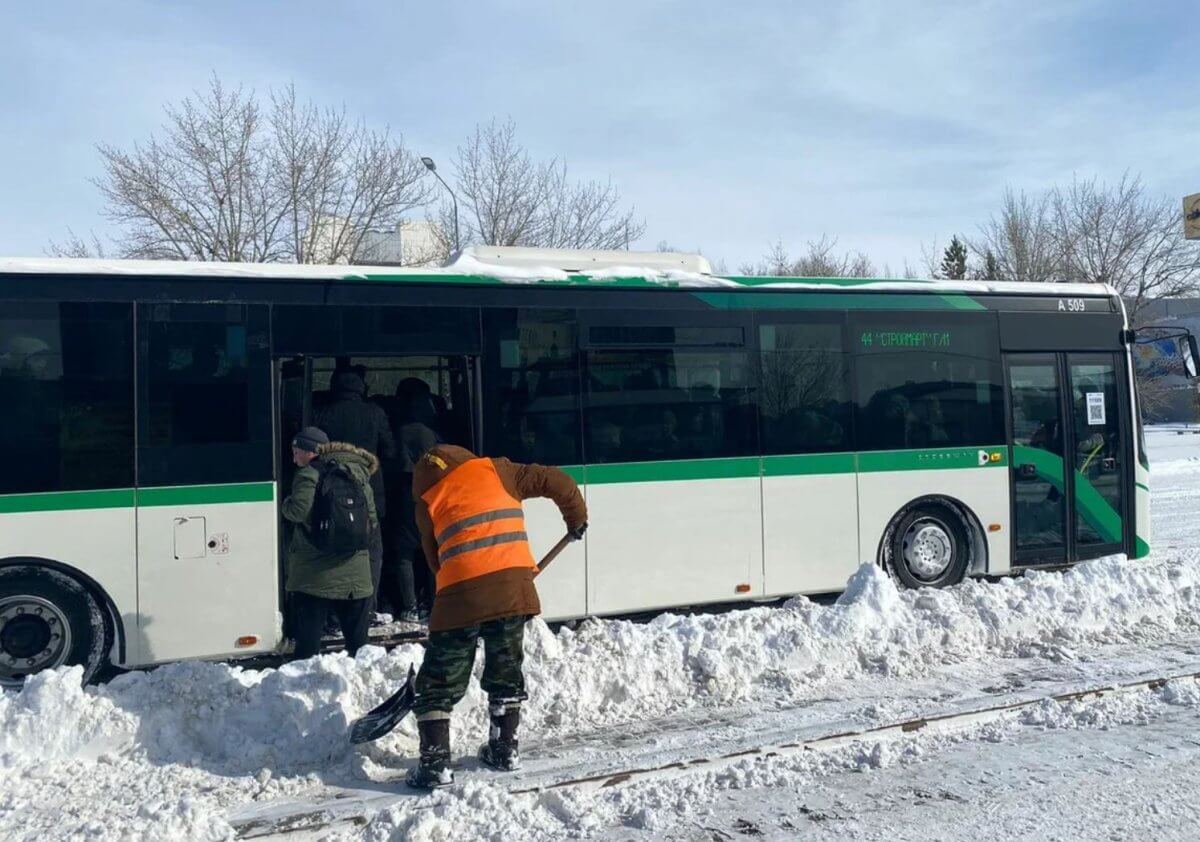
pixel 738 439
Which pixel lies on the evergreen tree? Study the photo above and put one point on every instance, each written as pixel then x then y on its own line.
pixel 954 260
pixel 989 270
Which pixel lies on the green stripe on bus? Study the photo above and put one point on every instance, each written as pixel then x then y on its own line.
pixel 808 293
pixel 1143 486
pixel 203 495
pixel 808 464
pixel 836 301
pixel 933 459
pixel 127 498
pixel 61 501
pixel 1140 548
pixel 765 280
pixel 583 279
pixel 1095 510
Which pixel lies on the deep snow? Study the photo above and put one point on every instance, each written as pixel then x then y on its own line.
pixel 187 749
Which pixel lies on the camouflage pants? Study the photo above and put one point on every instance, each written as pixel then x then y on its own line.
pixel 450 655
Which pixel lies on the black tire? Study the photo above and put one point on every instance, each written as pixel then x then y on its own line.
pixel 911 563
pixel 35 603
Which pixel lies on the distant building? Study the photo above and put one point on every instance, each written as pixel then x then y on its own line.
pixel 324 237
pixel 411 243
pixel 1177 313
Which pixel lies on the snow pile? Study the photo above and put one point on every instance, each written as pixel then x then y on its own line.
pixel 667 277
pixel 483 811
pixel 225 719
pixel 609 672
pixel 232 722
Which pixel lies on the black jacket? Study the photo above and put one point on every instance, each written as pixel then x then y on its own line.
pixel 355 421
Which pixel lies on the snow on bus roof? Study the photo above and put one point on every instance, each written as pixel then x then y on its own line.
pixel 467 269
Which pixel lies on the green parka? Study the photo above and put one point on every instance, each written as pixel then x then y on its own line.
pixel 309 570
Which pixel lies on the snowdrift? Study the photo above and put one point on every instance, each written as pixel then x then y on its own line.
pixel 293 720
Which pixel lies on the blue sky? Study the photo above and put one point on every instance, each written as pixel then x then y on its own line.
pixel 729 126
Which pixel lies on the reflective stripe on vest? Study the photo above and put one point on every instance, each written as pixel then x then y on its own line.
pixel 479 527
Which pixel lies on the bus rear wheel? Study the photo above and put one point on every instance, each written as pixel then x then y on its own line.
pixel 928 547
pixel 47 620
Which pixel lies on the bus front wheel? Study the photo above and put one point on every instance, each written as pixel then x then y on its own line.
pixel 47 620
pixel 928 547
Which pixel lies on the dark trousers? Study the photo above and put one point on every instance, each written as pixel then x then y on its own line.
pixel 404 561
pixel 450 655
pixel 309 614
pixel 376 552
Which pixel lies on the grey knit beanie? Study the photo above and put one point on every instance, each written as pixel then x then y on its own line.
pixel 310 438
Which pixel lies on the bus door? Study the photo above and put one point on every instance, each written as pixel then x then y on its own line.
pixel 206 563
pixel 1068 471
pixel 437 390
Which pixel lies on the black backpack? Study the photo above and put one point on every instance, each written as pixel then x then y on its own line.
pixel 340 518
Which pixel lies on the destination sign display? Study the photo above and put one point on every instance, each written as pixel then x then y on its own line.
pixel 884 338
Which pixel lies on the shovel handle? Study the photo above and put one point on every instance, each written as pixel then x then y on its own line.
pixel 554 551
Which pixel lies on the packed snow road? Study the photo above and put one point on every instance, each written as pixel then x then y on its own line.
pixel 207 751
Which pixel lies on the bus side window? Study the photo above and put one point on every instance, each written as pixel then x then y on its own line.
pixel 927 381
pixel 804 388
pixel 66 396
pixel 205 395
pixel 531 386
pixel 691 401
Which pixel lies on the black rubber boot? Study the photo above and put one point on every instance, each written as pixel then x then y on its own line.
pixel 500 751
pixel 433 770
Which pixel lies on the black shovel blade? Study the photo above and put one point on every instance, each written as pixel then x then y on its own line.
pixel 382 719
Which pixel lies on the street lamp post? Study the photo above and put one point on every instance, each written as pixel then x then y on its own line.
pixel 432 167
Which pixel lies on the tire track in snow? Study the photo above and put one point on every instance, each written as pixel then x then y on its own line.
pixel 351 811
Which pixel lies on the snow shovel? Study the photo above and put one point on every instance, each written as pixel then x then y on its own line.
pixel 382 719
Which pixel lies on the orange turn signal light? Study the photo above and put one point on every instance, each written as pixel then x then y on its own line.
pixel 993 527
pixel 247 640
pixel 742 588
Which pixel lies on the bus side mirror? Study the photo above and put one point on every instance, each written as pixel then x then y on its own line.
pixel 1191 355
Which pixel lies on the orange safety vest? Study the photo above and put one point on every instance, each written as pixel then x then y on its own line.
pixel 479 527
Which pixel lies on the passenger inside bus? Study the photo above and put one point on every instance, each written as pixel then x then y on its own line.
pixel 406 585
pixel 394 407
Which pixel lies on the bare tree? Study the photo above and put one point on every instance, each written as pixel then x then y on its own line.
pixel 1118 235
pixel 224 182
pixel 510 199
pixel 1022 239
pixel 1156 390
pixel 821 260
pixel 76 246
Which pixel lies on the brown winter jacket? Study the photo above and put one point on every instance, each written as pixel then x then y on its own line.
pixel 505 593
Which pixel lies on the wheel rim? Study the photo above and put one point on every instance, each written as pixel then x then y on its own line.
pixel 34 635
pixel 928 549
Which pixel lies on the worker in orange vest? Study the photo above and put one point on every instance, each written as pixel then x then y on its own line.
pixel 472 530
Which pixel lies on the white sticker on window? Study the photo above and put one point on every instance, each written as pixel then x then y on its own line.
pixel 1095 405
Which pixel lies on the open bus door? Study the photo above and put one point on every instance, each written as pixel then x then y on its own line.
pixel 303 388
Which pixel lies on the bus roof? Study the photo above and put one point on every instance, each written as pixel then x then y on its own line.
pixel 468 270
